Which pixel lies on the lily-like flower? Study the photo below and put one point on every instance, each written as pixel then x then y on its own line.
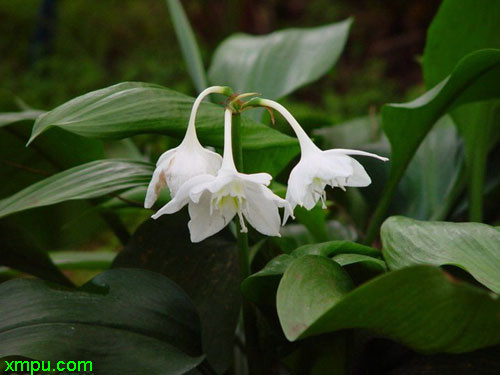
pixel 189 159
pixel 317 168
pixel 213 201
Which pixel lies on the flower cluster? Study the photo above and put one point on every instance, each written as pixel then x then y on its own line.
pixel 215 192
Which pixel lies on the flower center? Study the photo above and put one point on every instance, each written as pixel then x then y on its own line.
pixel 318 189
pixel 230 198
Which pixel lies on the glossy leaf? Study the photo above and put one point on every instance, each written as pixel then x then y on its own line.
pixel 89 180
pixel 207 271
pixel 124 321
pixel 187 42
pixel 449 38
pixel 472 246
pixel 370 262
pixel 250 63
pixel 406 125
pixel 133 108
pixel 419 306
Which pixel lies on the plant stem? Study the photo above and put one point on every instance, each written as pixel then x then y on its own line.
pixel 249 317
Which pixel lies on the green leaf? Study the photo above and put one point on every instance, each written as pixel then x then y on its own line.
pixel 132 108
pixel 88 180
pixel 187 42
pixel 449 38
pixel 207 271
pixel 274 65
pixel 20 252
pixel 419 306
pixel 261 286
pixel 8 118
pixel 370 262
pixel 473 247
pixel 124 321
pixel 406 125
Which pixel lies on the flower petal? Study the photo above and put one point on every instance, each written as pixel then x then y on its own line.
pixel 359 178
pixel 202 223
pixel 157 183
pixel 346 151
pixel 182 197
pixel 261 210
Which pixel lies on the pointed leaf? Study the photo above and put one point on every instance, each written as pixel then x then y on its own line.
pixel 131 108
pixel 82 182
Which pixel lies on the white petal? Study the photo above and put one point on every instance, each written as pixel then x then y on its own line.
pixel 298 181
pixel 166 155
pixel 182 197
pixel 261 211
pixel 258 178
pixel 157 183
pixel 357 152
pixel 202 224
pixel 359 177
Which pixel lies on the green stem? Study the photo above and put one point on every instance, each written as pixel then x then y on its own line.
pixel 249 317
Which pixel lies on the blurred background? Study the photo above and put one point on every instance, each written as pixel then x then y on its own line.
pixel 54 50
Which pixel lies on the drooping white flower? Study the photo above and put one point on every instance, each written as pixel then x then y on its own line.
pixel 317 168
pixel 189 159
pixel 213 201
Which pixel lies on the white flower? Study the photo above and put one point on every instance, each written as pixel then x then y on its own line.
pixel 213 201
pixel 317 168
pixel 189 159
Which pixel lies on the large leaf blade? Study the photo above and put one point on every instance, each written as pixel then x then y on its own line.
pixel 472 246
pixel 123 321
pixel 132 108
pixel 419 306
pixel 85 181
pixel 256 63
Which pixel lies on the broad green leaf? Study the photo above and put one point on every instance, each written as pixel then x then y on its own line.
pixel 420 306
pixel 262 285
pixel 207 271
pixel 274 65
pixel 187 42
pixel 472 246
pixel 133 108
pixel 89 180
pixel 406 125
pixel 124 321
pixel 7 118
pixel 19 251
pixel 449 38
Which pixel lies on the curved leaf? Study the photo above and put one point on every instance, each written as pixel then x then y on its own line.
pixel 472 246
pixel 370 262
pixel 85 181
pixel 419 306
pixel 132 108
pixel 124 321
pixel 406 125
pixel 257 63
pixel 449 38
